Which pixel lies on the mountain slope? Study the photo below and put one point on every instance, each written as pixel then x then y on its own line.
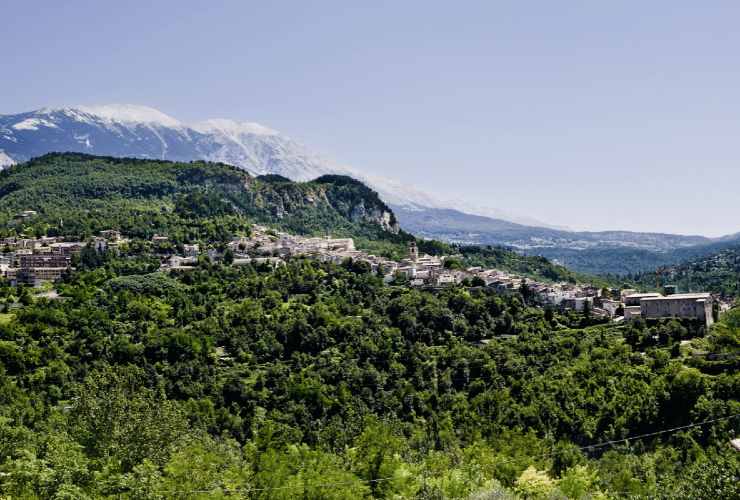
pixel 79 195
pixel 141 132
pixel 718 272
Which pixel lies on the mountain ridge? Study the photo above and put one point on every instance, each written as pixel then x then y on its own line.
pixel 144 132
pixel 140 131
pixel 82 194
pixel 149 133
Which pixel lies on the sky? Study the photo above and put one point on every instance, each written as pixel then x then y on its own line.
pixel 590 115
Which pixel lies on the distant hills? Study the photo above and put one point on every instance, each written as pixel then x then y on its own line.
pixel 456 225
pixel 142 132
pixel 602 252
pixel 717 272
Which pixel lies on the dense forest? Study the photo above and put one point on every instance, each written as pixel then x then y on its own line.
pixel 316 380
pixel 78 195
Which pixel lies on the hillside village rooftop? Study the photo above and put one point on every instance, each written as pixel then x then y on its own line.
pixel 36 260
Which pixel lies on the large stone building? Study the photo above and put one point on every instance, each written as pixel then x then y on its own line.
pixel 635 299
pixel 684 305
pixel 34 275
pixel 43 260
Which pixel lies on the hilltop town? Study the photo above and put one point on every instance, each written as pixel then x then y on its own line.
pixel 34 261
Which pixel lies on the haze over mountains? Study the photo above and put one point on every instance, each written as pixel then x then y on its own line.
pixel 138 131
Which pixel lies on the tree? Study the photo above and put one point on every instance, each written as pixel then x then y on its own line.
pixel 477 281
pixel 25 296
pixel 228 258
pixel 587 308
pixel 534 484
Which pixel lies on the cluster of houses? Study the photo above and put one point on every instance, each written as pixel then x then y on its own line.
pixel 33 261
pixel 430 272
pixel 265 245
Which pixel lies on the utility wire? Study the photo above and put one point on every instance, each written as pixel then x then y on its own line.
pixel 544 455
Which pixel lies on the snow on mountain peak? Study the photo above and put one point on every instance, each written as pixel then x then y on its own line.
pixel 33 124
pixel 130 113
pixel 141 131
pixel 232 127
pixel 5 160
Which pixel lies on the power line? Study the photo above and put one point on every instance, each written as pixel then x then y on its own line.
pixel 294 487
pixel 656 433
pixel 508 460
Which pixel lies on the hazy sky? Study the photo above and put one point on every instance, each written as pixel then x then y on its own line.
pixel 593 115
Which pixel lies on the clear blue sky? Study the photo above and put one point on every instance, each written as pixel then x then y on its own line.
pixel 594 115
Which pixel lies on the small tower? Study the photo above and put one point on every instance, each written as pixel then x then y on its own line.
pixel 413 251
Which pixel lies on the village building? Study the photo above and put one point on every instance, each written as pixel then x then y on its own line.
pixel 43 260
pixel 34 275
pixel 67 248
pixel 25 214
pixel 627 291
pixel 100 244
pixel 634 299
pixel 696 306
pixel 610 306
pixel 632 312
pixel 446 279
pixel 190 250
pixel 578 304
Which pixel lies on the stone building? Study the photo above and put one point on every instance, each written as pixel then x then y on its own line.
pixel 696 306
pixel 413 252
pixel 43 260
pixel 634 299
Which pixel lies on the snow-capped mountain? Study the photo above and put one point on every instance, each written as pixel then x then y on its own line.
pixel 144 132
pixel 139 131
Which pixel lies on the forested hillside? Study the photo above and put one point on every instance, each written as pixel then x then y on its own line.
pixel 77 195
pixel 319 381
pixel 316 380
pixel 718 273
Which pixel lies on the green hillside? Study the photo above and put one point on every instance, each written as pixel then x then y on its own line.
pixel 718 272
pixel 78 195
pixel 315 380
pixel 318 381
